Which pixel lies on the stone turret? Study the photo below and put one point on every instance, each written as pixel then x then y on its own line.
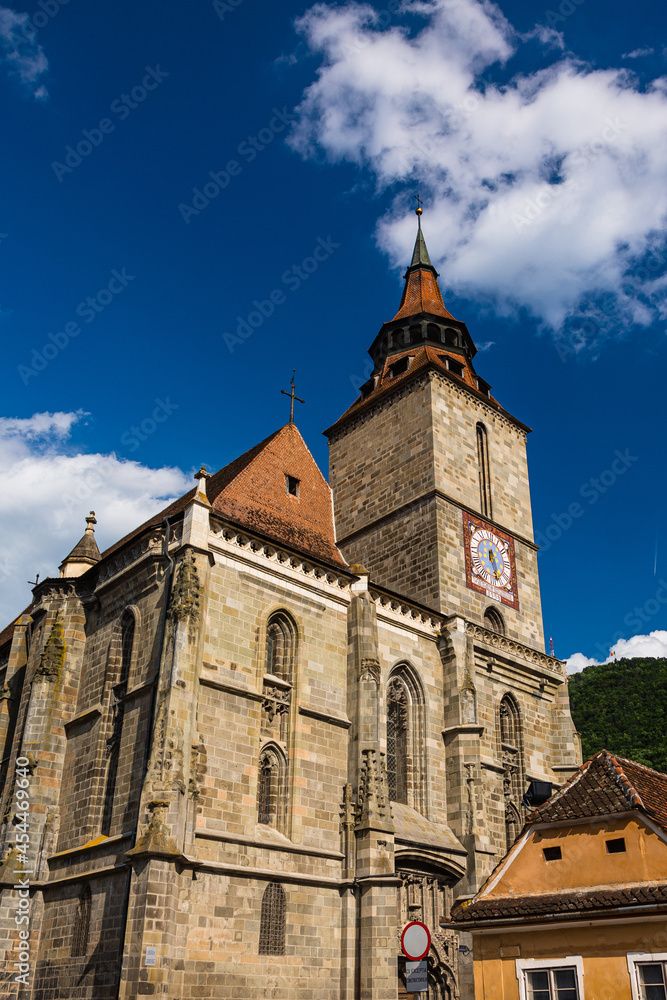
pixel 84 554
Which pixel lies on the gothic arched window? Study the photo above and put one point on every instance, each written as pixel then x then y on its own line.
pixel 127 644
pixel 82 923
pixel 113 752
pixel 397 740
pixel 116 712
pixel 272 921
pixel 512 758
pixel 280 646
pixel 494 621
pixel 270 786
pixel 484 471
pixel 405 768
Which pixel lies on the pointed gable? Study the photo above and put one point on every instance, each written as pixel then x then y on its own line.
pixel 608 801
pixel 281 494
pixel 604 785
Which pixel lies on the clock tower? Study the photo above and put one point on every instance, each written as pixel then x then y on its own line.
pixel 429 472
pixel 431 496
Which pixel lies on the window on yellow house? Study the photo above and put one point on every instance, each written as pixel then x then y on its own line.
pixel 652 981
pixel 552 984
pixel 559 979
pixel 648 975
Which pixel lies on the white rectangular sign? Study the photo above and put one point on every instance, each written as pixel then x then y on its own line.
pixel 151 956
pixel 416 976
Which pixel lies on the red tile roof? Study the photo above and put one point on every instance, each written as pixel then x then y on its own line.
pixel 493 908
pixel 422 294
pixel 256 497
pixel 423 357
pixel 604 785
pixel 7 633
pixel 251 491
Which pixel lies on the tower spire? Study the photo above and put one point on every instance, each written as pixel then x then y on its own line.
pixel 420 257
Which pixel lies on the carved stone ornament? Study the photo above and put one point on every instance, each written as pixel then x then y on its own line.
pixel 52 659
pixel 374 790
pixel 186 593
pixel 514 648
pixel 347 809
pixel 276 701
pixel 369 670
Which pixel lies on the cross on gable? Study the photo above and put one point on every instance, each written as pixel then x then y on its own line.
pixel 293 396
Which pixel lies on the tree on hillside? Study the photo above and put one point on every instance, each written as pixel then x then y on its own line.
pixel 622 707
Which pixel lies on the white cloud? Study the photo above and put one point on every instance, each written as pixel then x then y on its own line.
pixel 653 644
pixel 46 489
pixel 638 53
pixel 544 193
pixel 21 51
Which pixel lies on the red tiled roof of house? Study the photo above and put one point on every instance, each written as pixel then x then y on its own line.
pixel 604 785
pixel 571 903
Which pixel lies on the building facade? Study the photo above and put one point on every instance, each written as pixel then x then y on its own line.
pixel 265 730
pixel 578 907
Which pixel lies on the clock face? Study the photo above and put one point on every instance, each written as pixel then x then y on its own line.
pixel 490 566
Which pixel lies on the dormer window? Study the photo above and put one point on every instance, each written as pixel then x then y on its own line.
pixel 292 485
pixel 400 366
pixel 368 386
pixel 455 367
pixel 483 386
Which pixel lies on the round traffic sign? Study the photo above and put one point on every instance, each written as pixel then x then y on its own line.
pixel 415 940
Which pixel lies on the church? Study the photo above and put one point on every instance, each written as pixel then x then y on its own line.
pixel 245 745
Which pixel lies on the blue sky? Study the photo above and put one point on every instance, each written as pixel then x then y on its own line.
pixel 167 167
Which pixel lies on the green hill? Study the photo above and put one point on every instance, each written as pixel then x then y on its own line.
pixel 622 706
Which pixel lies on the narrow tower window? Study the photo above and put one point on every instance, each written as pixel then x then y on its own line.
pixel 270 804
pixel 292 485
pixel 484 471
pixel 82 923
pixel 272 921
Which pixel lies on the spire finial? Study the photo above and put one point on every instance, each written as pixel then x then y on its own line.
pixel 292 396
pixel 201 477
pixel 90 521
pixel 419 211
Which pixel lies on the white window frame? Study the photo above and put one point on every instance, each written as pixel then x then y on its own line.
pixel 524 965
pixel 636 958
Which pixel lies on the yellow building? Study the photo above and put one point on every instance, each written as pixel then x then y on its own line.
pixel 577 909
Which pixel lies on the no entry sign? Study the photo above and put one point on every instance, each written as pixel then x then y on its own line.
pixel 415 940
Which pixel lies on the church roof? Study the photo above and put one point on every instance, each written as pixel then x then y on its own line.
pixel 422 357
pixel 251 492
pixel 257 497
pixel 7 633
